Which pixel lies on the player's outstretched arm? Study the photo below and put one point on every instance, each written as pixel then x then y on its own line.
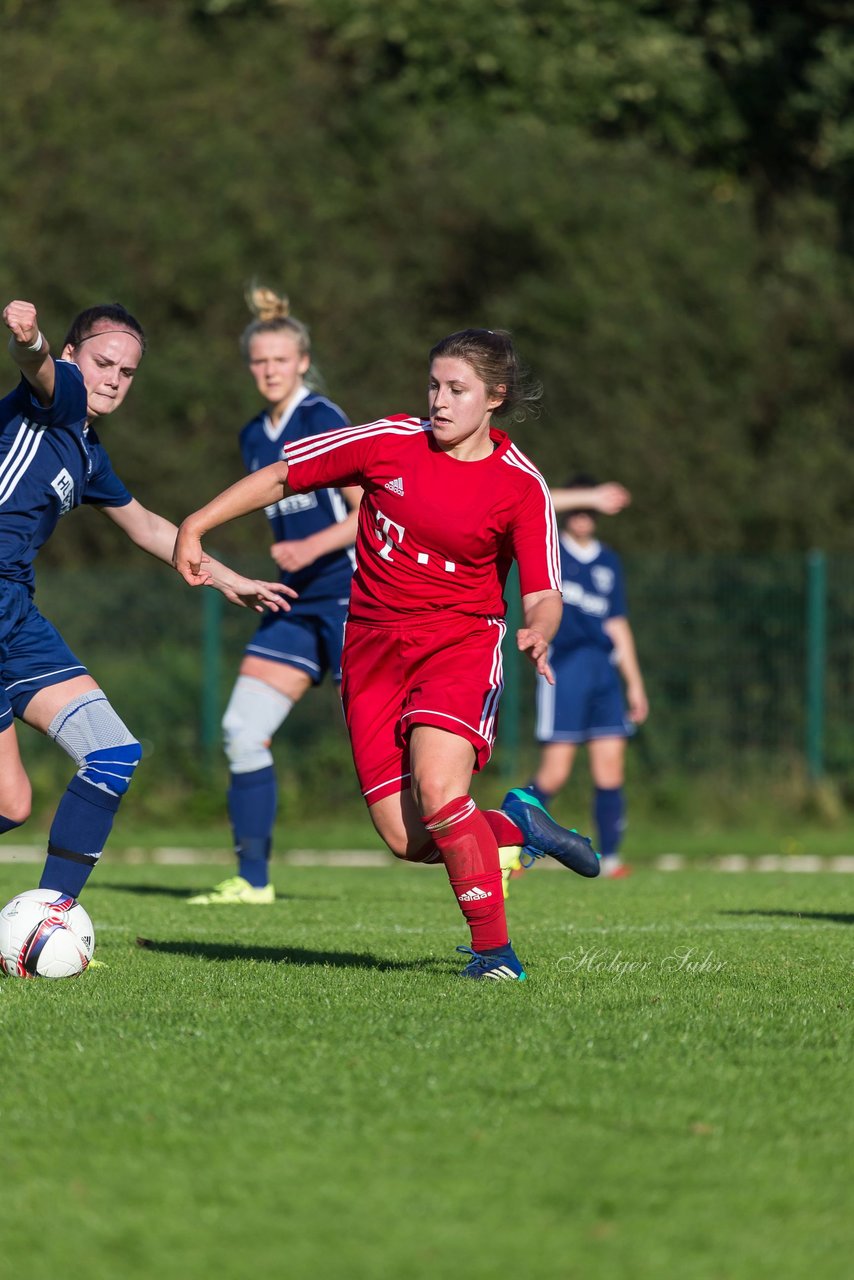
pixel 609 498
pixel 156 535
pixel 254 492
pixel 542 612
pixel 29 348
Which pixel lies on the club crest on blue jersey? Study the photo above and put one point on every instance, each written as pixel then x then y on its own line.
pixel 603 579
pixel 596 606
pixel 63 486
pixel 289 506
pixel 592 587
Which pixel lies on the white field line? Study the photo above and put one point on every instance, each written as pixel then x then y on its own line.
pixel 176 856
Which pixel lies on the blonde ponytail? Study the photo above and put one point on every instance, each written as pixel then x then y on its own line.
pixel 265 304
pixel 272 314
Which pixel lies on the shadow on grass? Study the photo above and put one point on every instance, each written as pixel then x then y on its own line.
pixel 287 955
pixel 834 917
pixel 167 891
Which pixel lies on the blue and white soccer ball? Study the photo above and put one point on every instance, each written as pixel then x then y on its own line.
pixel 45 934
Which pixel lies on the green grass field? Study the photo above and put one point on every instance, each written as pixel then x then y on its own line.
pixel 309 1090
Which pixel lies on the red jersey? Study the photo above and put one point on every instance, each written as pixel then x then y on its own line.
pixel 434 532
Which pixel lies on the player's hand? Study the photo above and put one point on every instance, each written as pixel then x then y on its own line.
pixel 637 704
pixel 22 320
pixel 189 559
pixel 611 498
pixel 532 644
pixel 293 556
pixel 252 593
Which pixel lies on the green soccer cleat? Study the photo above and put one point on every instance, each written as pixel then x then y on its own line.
pixel 235 890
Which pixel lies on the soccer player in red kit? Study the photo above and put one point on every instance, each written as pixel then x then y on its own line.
pixel 448 504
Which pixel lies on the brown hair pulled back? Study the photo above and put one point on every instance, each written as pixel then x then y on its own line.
pixel 113 314
pixel 492 356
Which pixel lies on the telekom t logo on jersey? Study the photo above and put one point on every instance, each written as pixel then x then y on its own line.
pixel 391 535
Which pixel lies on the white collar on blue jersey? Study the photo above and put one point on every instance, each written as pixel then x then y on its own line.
pixel 275 429
pixel 584 555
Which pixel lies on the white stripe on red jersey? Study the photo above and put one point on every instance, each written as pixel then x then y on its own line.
pixel 514 458
pixel 435 532
pixel 335 439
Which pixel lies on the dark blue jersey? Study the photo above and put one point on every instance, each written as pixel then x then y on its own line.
pixel 302 514
pixel 50 461
pixel 592 586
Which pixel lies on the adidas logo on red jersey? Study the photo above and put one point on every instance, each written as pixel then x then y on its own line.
pixel 395 486
pixel 474 895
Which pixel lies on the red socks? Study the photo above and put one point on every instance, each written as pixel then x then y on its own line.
pixel 504 830
pixel 427 855
pixel 469 850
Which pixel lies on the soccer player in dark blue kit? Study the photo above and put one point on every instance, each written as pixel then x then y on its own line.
pixel 51 460
pixel 592 649
pixel 313 536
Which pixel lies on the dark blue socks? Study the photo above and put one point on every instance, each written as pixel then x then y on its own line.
pixel 609 815
pixel 78 834
pixel 252 809
pixel 537 792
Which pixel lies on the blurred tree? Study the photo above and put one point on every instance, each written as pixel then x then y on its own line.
pixel 759 91
pixel 650 195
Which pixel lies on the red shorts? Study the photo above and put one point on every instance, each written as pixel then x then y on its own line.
pixel 446 672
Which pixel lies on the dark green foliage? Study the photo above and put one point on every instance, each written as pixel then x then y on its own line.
pixel 653 197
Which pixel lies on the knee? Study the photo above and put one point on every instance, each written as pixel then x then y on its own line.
pixel 16 794
pixel 432 792
pixel 245 748
pixel 254 713
pixel 607 779
pixel 105 750
pixel 15 810
pixel 112 768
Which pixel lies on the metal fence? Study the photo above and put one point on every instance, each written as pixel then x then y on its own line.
pixel 747 659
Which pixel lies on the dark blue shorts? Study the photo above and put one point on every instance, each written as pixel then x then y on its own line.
pixel 33 655
pixel 309 638
pixel 586 700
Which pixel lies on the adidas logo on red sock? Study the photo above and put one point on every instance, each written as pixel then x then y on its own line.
pixel 474 895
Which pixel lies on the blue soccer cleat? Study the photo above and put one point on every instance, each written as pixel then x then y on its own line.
pixel 545 836
pixel 501 965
